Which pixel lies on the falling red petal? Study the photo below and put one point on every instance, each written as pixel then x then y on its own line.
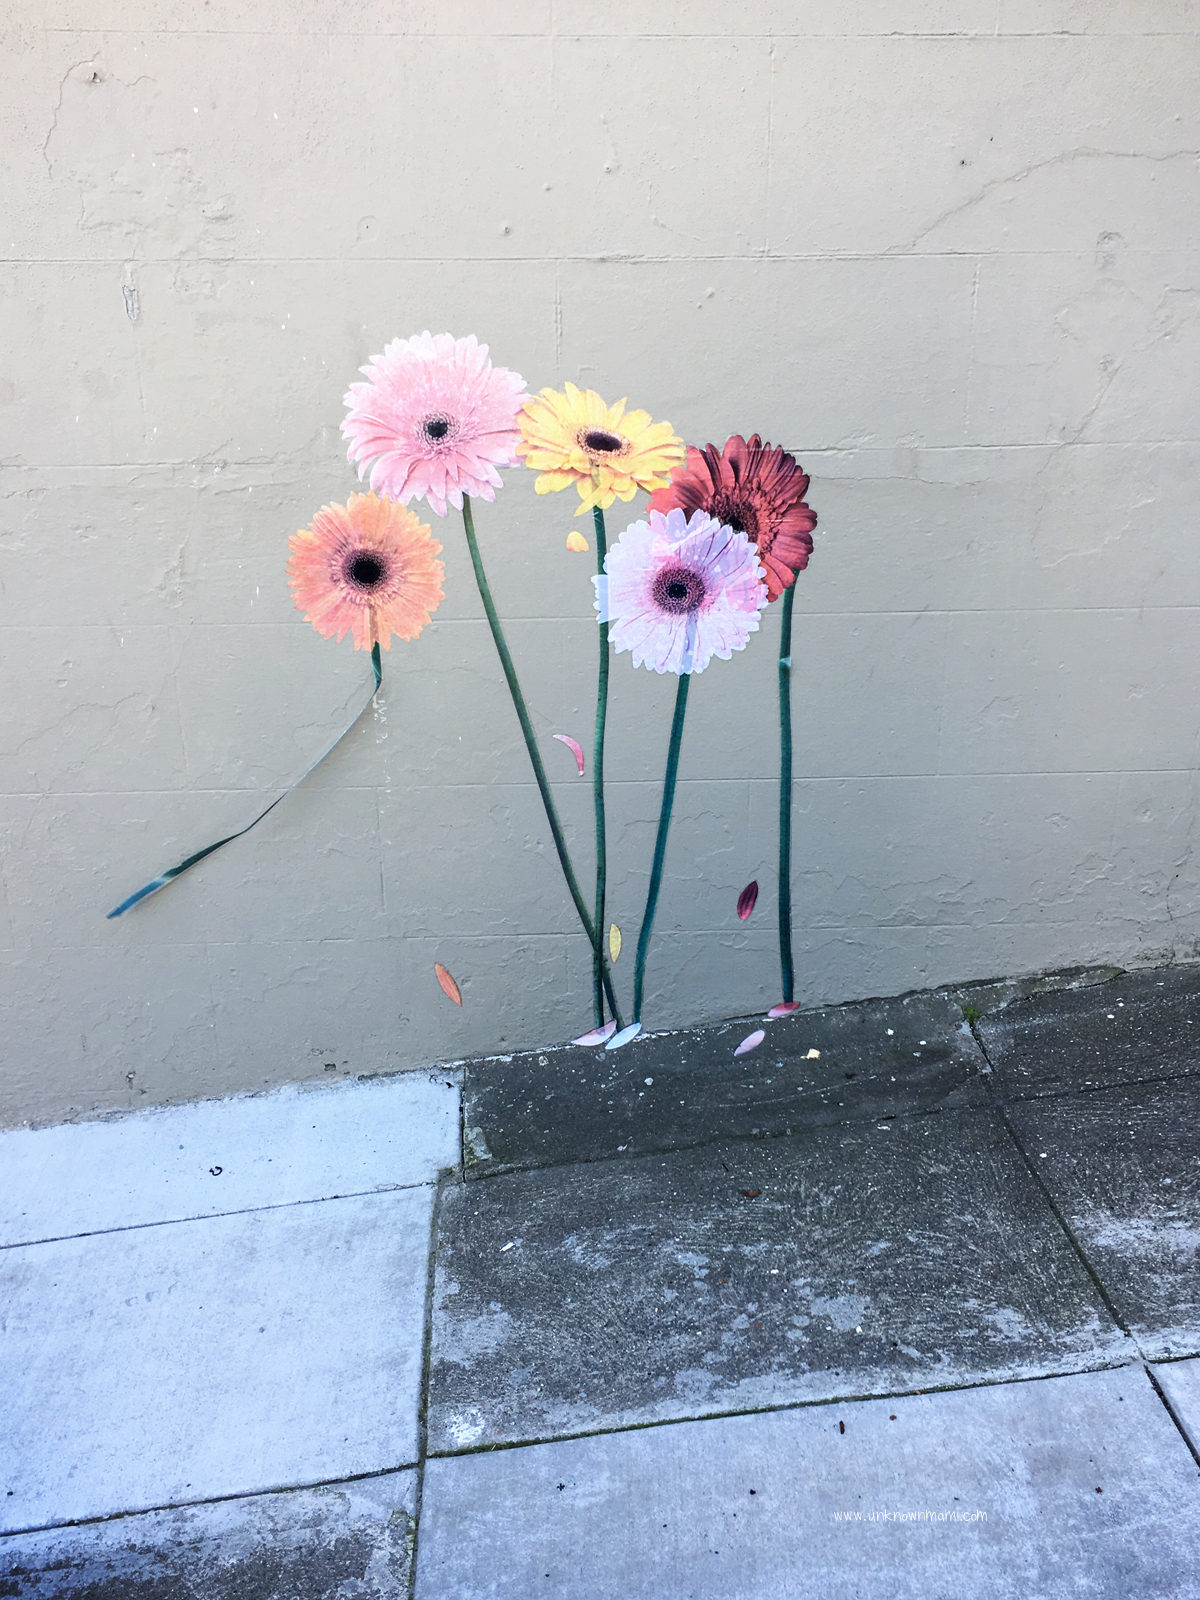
pixel 597 1035
pixel 747 900
pixel 783 1009
pixel 574 746
pixel 447 982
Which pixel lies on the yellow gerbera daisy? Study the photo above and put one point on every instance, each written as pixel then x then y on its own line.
pixel 608 453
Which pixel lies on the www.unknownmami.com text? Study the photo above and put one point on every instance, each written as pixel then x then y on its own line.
pixel 910 1516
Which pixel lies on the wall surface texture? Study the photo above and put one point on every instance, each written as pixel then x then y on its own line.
pixel 945 250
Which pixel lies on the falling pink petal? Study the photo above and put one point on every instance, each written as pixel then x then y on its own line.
pixel 747 900
pixel 447 982
pixel 597 1035
pixel 750 1042
pixel 783 1009
pixel 574 746
pixel 625 1035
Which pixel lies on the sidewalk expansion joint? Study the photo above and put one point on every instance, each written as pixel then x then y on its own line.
pixel 213 1216
pixel 208 1500
pixel 450 1176
pixel 1135 1359
pixel 1172 1413
pixel 1132 1082
pixel 720 1137
pixel 1001 1104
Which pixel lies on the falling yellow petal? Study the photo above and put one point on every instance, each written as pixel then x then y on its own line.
pixel 576 541
pixel 614 940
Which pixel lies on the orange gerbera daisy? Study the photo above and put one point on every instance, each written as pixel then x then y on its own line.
pixel 606 452
pixel 366 568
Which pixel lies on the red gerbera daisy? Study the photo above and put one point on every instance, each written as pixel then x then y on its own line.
pixel 757 490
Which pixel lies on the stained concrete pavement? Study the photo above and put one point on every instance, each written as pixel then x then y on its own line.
pixel 901 1302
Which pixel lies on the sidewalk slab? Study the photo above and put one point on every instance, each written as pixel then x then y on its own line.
pixel 188 1360
pixel 1124 1169
pixel 666 1091
pixel 341 1539
pixel 752 1507
pixel 218 1156
pixel 1180 1382
pixel 848 1261
pixel 1139 1025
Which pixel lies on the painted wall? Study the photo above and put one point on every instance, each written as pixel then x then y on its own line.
pixel 945 252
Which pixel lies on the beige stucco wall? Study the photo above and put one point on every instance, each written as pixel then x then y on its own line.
pixel 945 251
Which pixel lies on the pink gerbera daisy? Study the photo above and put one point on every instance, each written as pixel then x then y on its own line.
pixel 435 419
pixel 678 592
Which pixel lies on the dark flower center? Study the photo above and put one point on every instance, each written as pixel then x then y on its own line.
pixel 365 570
pixel 601 442
pixel 741 518
pixel 436 428
pixel 677 590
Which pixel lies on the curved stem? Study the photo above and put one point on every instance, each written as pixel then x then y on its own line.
pixel 535 756
pixel 598 782
pixel 164 878
pixel 785 795
pixel 660 843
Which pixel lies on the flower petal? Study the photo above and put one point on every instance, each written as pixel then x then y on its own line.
pixel 747 900
pixel 399 587
pixel 447 982
pixel 574 746
pixel 597 1035
pixel 614 941
pixel 783 1009
pixel 434 419
pixel 750 1042
pixel 625 1035
pixel 576 541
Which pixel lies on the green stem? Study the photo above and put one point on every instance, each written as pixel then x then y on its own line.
pixel 535 756
pixel 660 843
pixel 598 782
pixel 785 794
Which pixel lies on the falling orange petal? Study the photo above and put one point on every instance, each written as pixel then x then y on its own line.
pixel 614 940
pixel 747 900
pixel 750 1042
pixel 576 541
pixel 447 982
pixel 574 746
pixel 783 1009
pixel 597 1035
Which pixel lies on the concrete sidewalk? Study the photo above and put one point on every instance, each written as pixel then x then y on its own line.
pixel 905 1301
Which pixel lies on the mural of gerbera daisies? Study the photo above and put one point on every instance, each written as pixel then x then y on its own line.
pixel 573 437
pixel 678 591
pixel 368 568
pixel 434 420
pixel 756 489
